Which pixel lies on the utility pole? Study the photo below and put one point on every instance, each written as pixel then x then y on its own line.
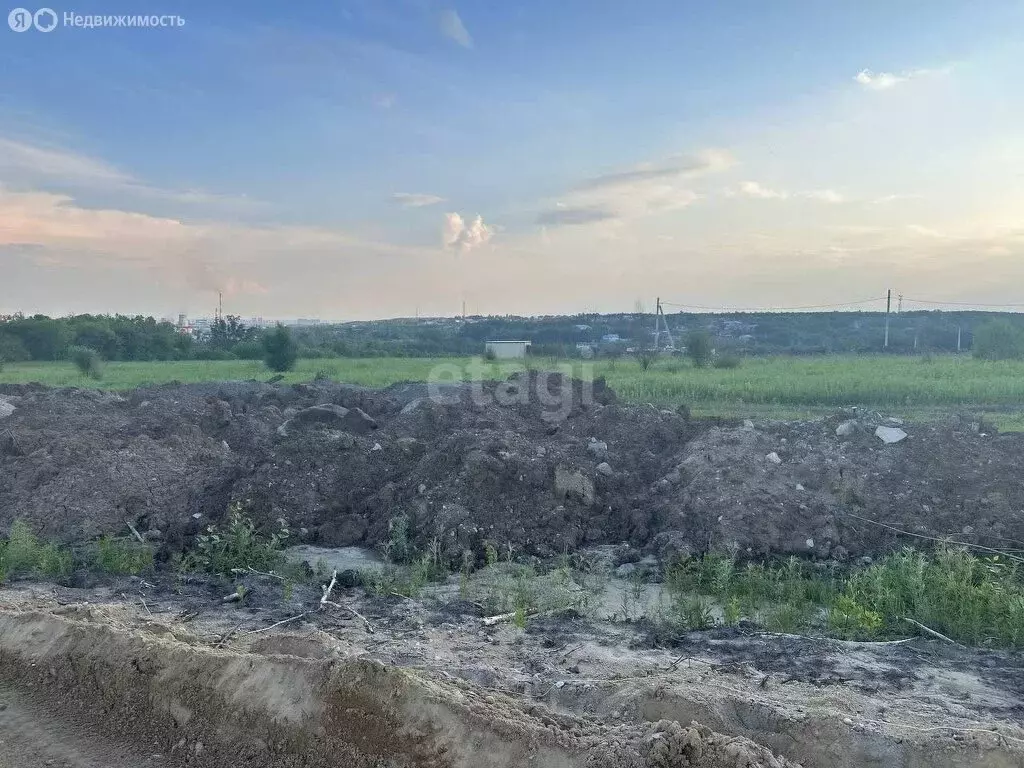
pixel 899 305
pixel 659 323
pixel 888 309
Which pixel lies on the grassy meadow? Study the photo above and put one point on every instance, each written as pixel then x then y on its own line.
pixel 783 387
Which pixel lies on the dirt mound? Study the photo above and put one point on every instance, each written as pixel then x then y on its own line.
pixel 540 462
pixel 214 708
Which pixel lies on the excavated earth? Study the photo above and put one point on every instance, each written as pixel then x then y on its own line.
pixel 538 463
pixel 126 672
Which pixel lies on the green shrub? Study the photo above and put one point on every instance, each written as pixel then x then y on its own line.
pixel 998 340
pixel 122 556
pixel 23 554
pixel 727 361
pixel 699 348
pixel 87 361
pixel 248 350
pixel 280 350
pixel 237 545
pixel 974 600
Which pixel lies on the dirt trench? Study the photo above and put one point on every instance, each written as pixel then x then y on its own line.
pixel 163 701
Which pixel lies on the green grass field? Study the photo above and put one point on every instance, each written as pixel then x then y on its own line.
pixel 782 387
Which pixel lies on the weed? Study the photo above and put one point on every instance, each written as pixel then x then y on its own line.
pixel 238 545
pixel 23 554
pixel 122 556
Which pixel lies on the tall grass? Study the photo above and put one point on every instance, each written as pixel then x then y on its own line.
pixel 973 600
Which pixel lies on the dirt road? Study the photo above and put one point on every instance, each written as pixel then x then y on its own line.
pixel 31 737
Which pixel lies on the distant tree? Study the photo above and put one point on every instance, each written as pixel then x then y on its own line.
pixel 998 340
pixel 86 360
pixel 280 349
pixel 699 348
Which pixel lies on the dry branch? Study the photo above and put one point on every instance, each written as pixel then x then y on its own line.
pixel 931 632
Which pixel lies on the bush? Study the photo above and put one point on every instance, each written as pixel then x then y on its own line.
pixel 280 350
pixel 999 340
pixel 248 350
pixel 239 545
pixel 22 554
pixel 206 352
pixel 698 348
pixel 728 361
pixel 86 360
pixel 122 556
pixel 646 358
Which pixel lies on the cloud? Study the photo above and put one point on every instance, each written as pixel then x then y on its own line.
pixel 646 189
pixel 753 189
pixel 825 196
pixel 385 100
pixel 883 81
pixel 35 167
pixel 462 237
pixel 18 157
pixel 416 199
pixel 569 216
pixel 453 28
pixel 708 161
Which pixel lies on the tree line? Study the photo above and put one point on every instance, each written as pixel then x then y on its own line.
pixel 138 338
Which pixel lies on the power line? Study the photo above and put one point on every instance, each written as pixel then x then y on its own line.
pixel 774 309
pixel 962 303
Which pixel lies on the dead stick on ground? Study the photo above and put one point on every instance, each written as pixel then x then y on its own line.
pixel 227 635
pixel 329 588
pixel 137 534
pixel 269 574
pixel 354 612
pixel 272 626
pixel 931 632
pixel 143 601
pixel 326 600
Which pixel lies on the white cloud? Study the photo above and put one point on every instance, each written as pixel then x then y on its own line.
pixel 645 189
pixel 17 157
pixel 825 196
pixel 30 166
pixel 416 199
pixel 453 28
pixel 883 81
pixel 465 237
pixel 753 189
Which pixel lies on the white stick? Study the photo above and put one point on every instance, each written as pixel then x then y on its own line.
pixel 137 534
pixel 931 632
pixel 269 574
pixel 490 621
pixel 354 612
pixel 286 621
pixel 329 588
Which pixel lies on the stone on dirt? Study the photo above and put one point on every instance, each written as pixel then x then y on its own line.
pixel 889 435
pixel 847 428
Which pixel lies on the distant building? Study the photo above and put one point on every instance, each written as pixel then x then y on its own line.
pixel 507 350
pixel 611 338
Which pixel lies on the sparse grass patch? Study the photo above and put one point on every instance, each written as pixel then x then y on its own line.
pixel 122 556
pixel 974 600
pixel 23 554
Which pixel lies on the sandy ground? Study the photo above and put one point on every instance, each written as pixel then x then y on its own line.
pixel 33 737
pixel 814 701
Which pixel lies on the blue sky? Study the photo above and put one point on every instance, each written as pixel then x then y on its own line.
pixel 364 158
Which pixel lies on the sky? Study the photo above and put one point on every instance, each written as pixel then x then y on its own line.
pixel 355 159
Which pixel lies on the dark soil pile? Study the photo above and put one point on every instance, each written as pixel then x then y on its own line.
pixel 541 463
